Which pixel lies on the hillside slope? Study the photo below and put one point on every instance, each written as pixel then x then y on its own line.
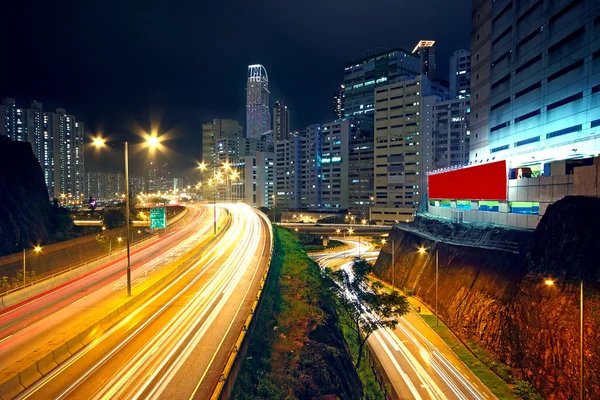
pixel 499 300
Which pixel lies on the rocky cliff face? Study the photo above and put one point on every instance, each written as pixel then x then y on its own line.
pixel 25 211
pixel 498 298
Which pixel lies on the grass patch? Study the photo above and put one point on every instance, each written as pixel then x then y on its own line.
pixel 496 384
pixel 296 349
pixel 311 248
pixel 372 390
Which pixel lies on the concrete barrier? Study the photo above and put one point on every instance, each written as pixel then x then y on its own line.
pixel 11 387
pixel 31 373
pixel 46 364
pixel 55 281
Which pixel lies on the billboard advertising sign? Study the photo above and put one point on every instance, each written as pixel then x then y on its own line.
pixel 482 182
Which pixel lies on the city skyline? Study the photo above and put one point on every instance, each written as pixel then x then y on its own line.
pixel 183 97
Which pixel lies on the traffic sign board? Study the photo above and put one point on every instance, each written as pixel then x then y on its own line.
pixel 158 217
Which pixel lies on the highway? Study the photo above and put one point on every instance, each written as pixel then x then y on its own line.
pixel 40 324
pixel 417 362
pixel 176 343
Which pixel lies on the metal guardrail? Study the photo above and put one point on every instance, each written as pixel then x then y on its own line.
pixel 69 269
pixel 110 256
pixel 237 347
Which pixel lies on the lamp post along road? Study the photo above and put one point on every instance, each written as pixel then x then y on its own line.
pixel 24 267
pixel 152 141
pixel 127 217
pixel 436 286
pixel 581 339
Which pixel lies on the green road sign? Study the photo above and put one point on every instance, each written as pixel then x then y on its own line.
pixel 158 217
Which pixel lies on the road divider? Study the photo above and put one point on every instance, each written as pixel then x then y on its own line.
pixel 236 355
pixel 31 373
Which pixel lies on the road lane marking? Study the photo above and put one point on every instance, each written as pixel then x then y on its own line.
pixel 8 337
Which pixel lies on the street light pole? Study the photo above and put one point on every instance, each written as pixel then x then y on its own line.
pixel 127 217
pixel 393 265
pixel 214 210
pixel 436 286
pixel 23 267
pixel 581 379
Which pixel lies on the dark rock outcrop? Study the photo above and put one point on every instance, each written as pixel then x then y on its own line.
pixel 499 300
pixel 25 211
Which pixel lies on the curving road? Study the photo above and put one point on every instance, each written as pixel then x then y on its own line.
pixel 417 362
pixel 38 325
pixel 176 343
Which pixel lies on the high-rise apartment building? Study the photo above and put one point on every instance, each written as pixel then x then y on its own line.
pixel 425 49
pixel 57 141
pixel 287 172
pixel 8 110
pixel 451 135
pixel 369 71
pixel 460 74
pixel 403 111
pixel 281 122
pixel 258 115
pixel 535 86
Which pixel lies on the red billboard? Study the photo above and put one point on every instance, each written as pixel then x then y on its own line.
pixel 481 182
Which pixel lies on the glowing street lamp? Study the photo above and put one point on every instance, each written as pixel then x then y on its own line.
pixel 37 250
pixel 151 141
pixel 550 282
pixel 422 250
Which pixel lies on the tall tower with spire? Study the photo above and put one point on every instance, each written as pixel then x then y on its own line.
pixel 258 114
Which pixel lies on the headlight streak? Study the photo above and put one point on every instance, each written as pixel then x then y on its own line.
pixel 133 375
pixel 119 325
pixel 434 361
pixel 158 361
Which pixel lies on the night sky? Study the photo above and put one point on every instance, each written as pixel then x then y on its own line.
pixel 118 65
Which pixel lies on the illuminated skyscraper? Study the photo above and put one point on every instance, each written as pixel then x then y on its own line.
pixel 426 51
pixel 258 115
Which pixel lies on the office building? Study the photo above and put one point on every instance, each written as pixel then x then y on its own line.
pixel 360 167
pixel 403 111
pixel 460 74
pixel 425 50
pixel 211 132
pixel 255 185
pixel 281 122
pixel 258 115
pixel 451 136
pixel 338 103
pixel 535 86
pixel 232 151
pixel 369 71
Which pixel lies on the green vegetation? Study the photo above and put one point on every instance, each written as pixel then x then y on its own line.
pixel 332 220
pixel 7 283
pixel 366 374
pixel 290 355
pixel 526 391
pixel 385 307
pixel 497 385
pixel 332 244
